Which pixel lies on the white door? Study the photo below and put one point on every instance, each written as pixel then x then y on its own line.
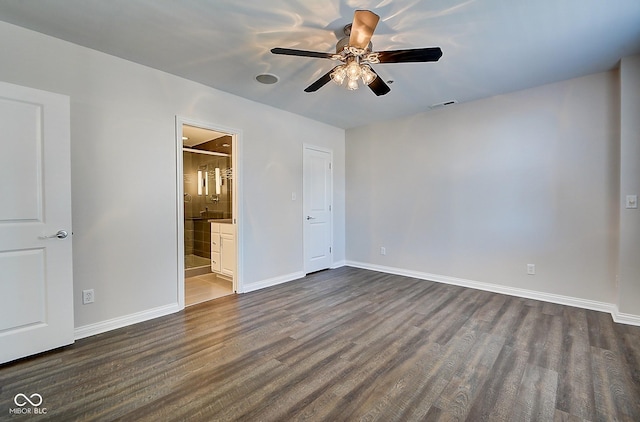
pixel 317 198
pixel 36 283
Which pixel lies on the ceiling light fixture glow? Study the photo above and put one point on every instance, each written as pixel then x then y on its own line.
pixel 351 72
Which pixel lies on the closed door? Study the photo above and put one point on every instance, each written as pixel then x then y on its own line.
pixel 317 198
pixel 35 222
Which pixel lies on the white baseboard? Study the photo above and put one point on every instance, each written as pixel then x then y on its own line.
pixel 119 322
pixel 623 318
pixel 246 287
pixel 511 291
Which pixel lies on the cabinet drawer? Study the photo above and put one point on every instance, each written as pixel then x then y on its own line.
pixel 226 229
pixel 215 262
pixel 215 242
pixel 215 227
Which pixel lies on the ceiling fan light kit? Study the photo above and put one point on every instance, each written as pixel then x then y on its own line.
pixel 356 53
pixel 352 72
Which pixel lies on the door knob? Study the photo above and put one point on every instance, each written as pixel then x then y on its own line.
pixel 60 235
pixel 310 218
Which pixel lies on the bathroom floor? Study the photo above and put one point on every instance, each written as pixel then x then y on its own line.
pixel 206 287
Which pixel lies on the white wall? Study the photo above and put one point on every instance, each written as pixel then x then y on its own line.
pixel 629 290
pixel 124 172
pixel 477 191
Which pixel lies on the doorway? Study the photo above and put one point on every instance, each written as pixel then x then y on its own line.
pixel 206 212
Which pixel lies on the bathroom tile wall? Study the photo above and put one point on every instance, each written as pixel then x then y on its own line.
pixel 202 238
pixel 188 237
pixel 198 209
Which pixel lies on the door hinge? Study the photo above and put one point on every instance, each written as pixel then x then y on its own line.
pixel 329 166
pixel 329 249
pixel 329 207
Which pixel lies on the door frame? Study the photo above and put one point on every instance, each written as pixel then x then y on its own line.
pixel 236 192
pixel 329 151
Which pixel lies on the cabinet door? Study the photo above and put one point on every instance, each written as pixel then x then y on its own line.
pixel 227 254
pixel 215 242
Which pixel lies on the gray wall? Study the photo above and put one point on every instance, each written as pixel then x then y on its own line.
pixel 477 191
pixel 125 228
pixel 629 185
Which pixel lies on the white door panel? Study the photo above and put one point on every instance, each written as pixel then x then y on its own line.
pixel 317 209
pixel 36 283
pixel 21 162
pixel 28 267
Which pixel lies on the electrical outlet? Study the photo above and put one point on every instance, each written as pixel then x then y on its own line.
pixel 531 269
pixel 383 250
pixel 87 296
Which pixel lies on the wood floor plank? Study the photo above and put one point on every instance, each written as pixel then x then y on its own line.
pixel 537 395
pixel 575 393
pixel 441 372
pixel 613 388
pixel 457 398
pixel 499 392
pixel 342 345
pixel 546 351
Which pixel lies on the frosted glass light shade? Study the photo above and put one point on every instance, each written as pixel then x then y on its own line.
pixel 353 70
pixel 338 75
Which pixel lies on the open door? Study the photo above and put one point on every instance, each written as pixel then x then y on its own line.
pixel 35 222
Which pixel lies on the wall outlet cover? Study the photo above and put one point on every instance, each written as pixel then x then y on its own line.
pixel 88 296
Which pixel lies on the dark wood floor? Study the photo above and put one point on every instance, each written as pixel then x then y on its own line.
pixel 346 345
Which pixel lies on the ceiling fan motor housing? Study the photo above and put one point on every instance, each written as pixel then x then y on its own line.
pixel 344 42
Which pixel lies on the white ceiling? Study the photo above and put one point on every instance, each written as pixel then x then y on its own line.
pixel 197 135
pixel 490 47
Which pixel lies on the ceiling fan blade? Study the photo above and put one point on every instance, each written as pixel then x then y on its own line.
pixel 378 86
pixel 429 54
pixel 301 53
pixel 324 79
pixel 364 23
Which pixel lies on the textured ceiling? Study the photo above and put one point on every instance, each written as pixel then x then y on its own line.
pixel 490 47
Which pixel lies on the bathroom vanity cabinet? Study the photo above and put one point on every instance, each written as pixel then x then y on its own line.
pixel 223 248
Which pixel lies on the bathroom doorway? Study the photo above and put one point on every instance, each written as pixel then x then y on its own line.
pixel 208 220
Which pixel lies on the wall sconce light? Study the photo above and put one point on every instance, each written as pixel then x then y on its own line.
pixel 218 181
pixel 203 182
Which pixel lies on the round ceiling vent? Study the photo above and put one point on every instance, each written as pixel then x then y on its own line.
pixel 267 78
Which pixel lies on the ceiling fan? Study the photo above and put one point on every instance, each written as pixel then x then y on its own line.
pixel 355 51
